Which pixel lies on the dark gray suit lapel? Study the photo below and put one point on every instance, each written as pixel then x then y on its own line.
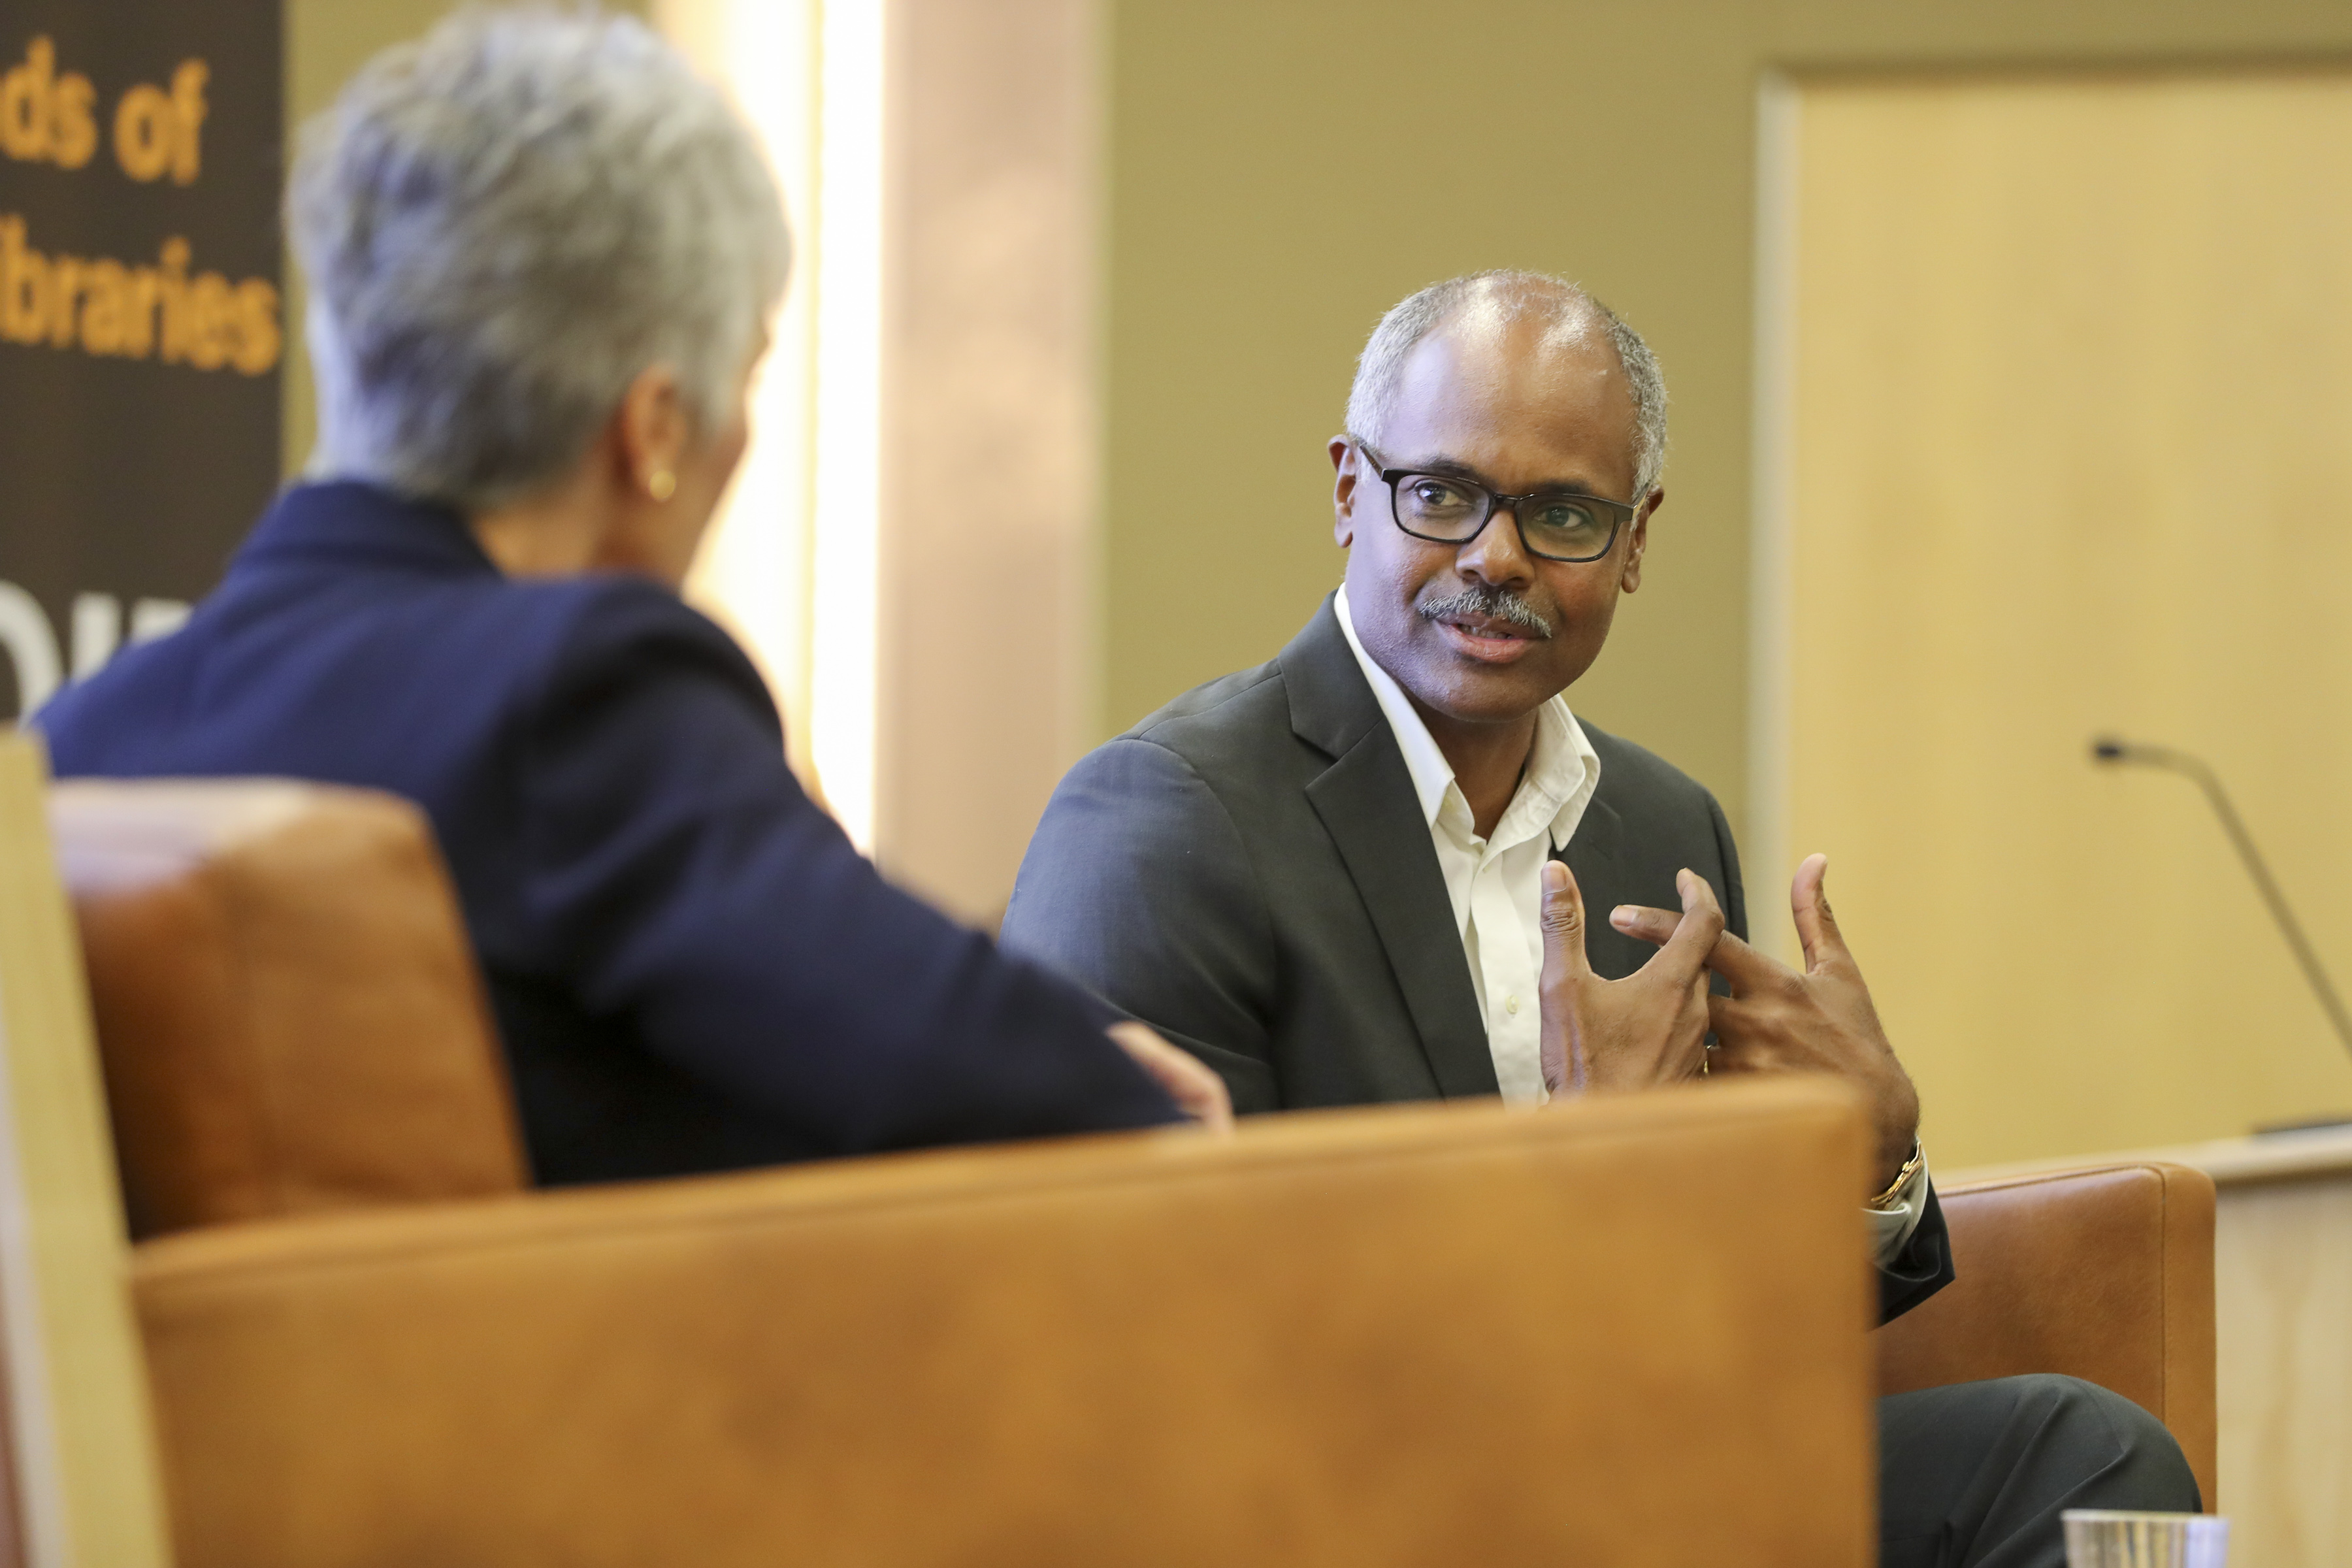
pixel 1596 852
pixel 1368 805
pixel 1596 855
pixel 1607 874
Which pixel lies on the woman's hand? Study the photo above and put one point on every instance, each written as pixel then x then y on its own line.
pixel 1195 1088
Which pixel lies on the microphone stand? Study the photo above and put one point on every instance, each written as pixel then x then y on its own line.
pixel 2109 749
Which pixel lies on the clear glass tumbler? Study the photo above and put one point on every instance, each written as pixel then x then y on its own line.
pixel 2097 1538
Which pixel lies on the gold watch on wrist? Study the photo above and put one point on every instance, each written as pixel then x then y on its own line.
pixel 1887 1200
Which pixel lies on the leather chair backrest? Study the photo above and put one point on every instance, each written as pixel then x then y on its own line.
pixel 2104 1273
pixel 1383 1338
pixel 288 1010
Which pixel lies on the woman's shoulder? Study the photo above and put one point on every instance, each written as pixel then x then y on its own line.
pixel 600 618
pixel 601 638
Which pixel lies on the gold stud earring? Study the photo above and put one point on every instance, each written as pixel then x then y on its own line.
pixel 661 484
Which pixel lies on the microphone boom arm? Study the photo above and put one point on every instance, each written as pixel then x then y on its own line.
pixel 2115 751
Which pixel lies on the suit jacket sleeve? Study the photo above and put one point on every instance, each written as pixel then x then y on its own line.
pixel 679 873
pixel 1138 886
pixel 1923 1268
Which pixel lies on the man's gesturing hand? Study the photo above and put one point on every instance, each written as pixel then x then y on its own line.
pixel 1776 1020
pixel 1646 1029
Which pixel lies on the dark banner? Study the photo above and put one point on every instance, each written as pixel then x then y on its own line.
pixel 140 318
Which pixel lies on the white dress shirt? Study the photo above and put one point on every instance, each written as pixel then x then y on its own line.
pixel 1496 884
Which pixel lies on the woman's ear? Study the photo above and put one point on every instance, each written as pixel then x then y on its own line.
pixel 653 432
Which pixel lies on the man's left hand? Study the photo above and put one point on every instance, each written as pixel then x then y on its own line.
pixel 1777 1020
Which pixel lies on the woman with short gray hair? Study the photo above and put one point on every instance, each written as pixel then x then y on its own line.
pixel 504 226
pixel 542 254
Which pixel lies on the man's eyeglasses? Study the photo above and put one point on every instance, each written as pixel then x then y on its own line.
pixel 1448 508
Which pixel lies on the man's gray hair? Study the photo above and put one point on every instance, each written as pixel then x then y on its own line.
pixel 503 224
pixel 1556 302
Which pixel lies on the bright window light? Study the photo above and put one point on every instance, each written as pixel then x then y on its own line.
pixel 848 397
pixel 790 566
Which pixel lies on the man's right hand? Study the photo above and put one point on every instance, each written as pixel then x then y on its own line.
pixel 1647 1029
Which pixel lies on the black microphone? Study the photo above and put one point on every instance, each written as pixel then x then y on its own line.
pixel 2108 749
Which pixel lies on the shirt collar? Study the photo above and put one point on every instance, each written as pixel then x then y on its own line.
pixel 1561 774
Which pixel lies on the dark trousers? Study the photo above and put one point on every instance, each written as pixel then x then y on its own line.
pixel 1976 1474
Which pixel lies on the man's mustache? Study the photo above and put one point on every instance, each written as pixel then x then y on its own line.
pixel 1495 603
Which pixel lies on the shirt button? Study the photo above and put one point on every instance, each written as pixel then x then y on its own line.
pixel 1511 1005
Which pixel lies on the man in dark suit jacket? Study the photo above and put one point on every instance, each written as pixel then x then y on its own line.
pixel 1360 872
pixel 1274 807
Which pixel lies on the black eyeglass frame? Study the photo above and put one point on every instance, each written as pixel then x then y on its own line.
pixel 1619 512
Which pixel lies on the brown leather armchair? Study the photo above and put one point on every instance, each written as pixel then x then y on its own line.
pixel 1441 1333
pixel 2102 1272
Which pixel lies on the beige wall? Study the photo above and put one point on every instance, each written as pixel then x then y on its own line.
pixel 2072 359
pixel 1280 172
pixel 988 652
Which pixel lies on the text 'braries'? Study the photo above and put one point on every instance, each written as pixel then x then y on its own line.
pixel 104 306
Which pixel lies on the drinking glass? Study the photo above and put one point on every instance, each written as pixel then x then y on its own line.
pixel 2098 1538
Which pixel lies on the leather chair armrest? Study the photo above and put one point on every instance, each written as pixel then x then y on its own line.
pixel 1408 1335
pixel 2104 1273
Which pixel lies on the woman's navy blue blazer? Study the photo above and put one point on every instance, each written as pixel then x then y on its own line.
pixel 691 967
